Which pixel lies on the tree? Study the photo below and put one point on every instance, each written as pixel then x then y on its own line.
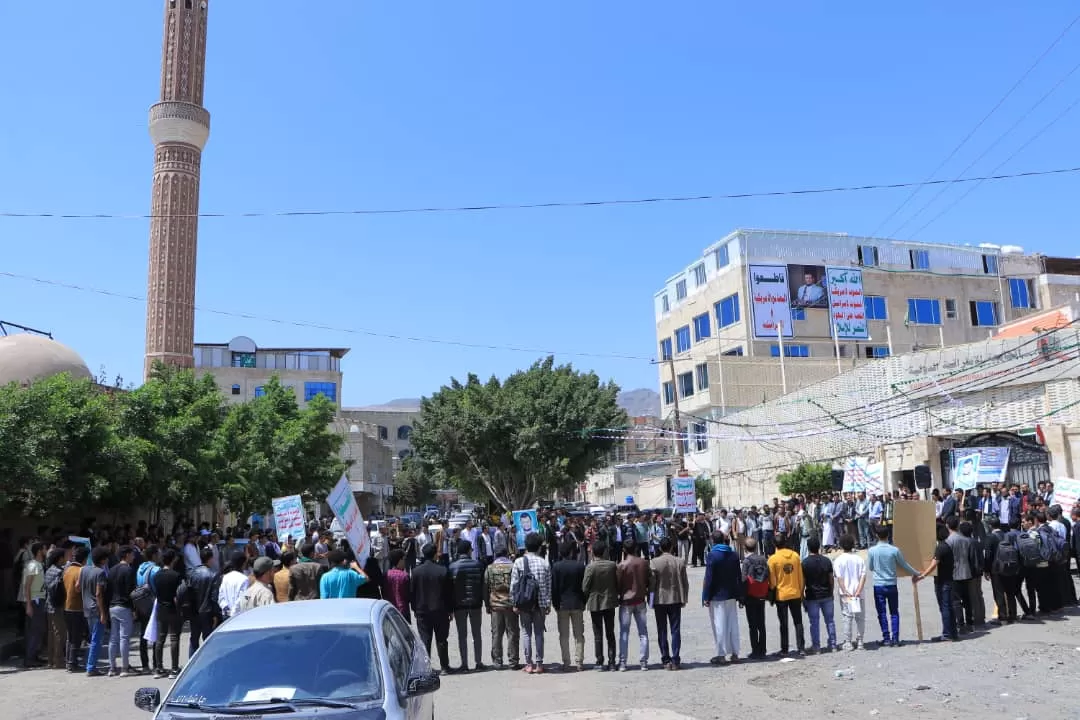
pixel 414 483
pixel 805 479
pixel 269 448
pixel 519 440
pixel 704 490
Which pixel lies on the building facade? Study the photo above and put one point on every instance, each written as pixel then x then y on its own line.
pixel 179 128
pixel 393 425
pixel 753 318
pixel 371 465
pixel 242 369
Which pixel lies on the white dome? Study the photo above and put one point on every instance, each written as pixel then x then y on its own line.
pixel 26 357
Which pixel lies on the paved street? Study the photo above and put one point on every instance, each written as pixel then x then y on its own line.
pixel 1000 672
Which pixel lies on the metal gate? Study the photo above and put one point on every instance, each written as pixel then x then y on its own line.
pixel 1029 462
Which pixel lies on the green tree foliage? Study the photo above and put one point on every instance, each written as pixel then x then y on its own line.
pixel 806 478
pixel 704 490
pixel 414 483
pixel 519 440
pixel 66 446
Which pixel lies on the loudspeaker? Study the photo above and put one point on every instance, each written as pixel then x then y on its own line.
pixel 923 478
pixel 837 480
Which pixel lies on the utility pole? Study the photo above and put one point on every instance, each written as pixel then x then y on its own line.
pixel 678 419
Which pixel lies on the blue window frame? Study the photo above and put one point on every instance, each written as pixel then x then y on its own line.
pixel 680 290
pixel 990 264
pixel 686 384
pixel 920 259
pixel 798 313
pixel 260 391
pixel 1020 291
pixel 875 307
pixel 312 389
pixel 235 389
pixel 877 351
pixel 702 329
pixel 984 313
pixel 665 304
pixel 665 348
pixel 669 393
pixel 682 339
pixel 723 258
pixel 802 351
pixel 923 311
pixel 700 276
pixel 727 311
pixel 702 372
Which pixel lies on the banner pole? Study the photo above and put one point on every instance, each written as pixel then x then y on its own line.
pixel 918 613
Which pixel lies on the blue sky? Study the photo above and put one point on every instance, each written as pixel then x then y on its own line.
pixel 341 104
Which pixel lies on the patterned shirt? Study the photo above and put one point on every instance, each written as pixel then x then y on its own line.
pixel 397 590
pixel 540 569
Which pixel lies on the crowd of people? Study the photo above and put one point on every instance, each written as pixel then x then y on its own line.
pixel 803 556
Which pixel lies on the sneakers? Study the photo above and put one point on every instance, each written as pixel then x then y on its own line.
pixel 622 667
pixel 644 666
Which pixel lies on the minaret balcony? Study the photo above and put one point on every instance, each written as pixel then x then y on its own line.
pixel 179 122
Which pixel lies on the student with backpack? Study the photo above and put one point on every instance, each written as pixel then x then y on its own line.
pixel 755 571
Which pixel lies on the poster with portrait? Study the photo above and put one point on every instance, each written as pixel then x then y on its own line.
pixel 525 522
pixel 806 286
pixel 977 466
pixel 770 300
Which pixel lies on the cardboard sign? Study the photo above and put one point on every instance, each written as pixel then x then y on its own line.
pixel 915 533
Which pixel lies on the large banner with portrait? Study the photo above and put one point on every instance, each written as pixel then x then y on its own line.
pixel 847 308
pixel 976 466
pixel 524 523
pixel 770 300
pixel 807 286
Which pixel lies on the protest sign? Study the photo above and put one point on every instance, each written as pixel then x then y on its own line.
pixel 342 502
pixel 289 518
pixel 683 495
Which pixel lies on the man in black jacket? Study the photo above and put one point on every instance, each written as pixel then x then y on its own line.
pixel 432 599
pixel 467 579
pixel 568 599
pixel 203 582
pixel 700 540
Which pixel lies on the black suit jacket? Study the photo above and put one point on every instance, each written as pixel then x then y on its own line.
pixel 430 589
pixel 567 580
pixel 948 508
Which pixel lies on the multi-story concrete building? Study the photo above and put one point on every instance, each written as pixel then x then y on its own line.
pixel 371 464
pixel 754 317
pixel 241 369
pixel 644 443
pixel 393 425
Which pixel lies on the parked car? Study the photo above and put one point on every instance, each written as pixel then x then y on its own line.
pixel 458 521
pixel 411 520
pixel 363 661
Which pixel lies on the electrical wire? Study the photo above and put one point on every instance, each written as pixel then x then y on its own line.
pixel 971 133
pixel 547 205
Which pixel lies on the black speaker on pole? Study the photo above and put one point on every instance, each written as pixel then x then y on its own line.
pixel 837 480
pixel 923 478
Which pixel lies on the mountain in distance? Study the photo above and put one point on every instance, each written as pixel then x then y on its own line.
pixel 642 401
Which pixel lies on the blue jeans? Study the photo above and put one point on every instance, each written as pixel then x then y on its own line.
pixel 639 613
pixel 97 635
pixel 122 620
pixel 532 635
pixel 943 590
pixel 825 607
pixel 888 594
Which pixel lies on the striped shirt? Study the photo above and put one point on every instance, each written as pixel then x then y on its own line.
pixel 540 569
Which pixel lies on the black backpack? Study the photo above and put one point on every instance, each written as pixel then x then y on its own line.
pixel 527 594
pixel 1006 560
pixel 56 592
pixel 1030 550
pixel 1053 546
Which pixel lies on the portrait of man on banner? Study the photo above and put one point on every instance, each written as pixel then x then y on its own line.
pixel 524 523
pixel 808 286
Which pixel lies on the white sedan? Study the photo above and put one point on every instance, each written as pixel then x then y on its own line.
pixel 346 658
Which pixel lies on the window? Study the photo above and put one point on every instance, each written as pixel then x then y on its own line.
pixel 802 351
pixel 868 256
pixel 384 434
pixel 665 304
pixel 842 349
pixel 680 290
pixel 669 393
pixel 235 389
pixel 665 349
pixel 682 339
pixel 798 313
pixel 877 351
pixel 950 308
pixel 702 371
pixel 314 389
pixel 686 384
pixel 920 259
pixel 722 257
pixel 990 264
pixel 727 311
pixel 984 313
pixel 699 275
pixel 876 308
pixel 736 351
pixel 923 311
pixel 243 359
pixel 1022 293
pixel 260 391
pixel 404 454
pixel 700 436
pixel 404 432
pixel 701 327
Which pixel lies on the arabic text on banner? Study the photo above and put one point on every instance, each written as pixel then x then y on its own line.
pixel 847 311
pixel 1066 493
pixel 289 517
pixel 682 491
pixel 770 300
pixel 971 466
pixel 342 502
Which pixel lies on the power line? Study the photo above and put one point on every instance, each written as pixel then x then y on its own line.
pixel 987 116
pixel 547 205
pixel 329 328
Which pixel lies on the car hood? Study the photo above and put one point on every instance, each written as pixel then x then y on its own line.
pixel 304 713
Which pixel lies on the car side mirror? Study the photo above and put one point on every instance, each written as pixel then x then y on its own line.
pixel 423 684
pixel 148 698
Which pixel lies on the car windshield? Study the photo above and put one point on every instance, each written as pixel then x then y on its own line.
pixel 285 663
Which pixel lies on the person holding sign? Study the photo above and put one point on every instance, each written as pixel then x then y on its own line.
pixel 882 559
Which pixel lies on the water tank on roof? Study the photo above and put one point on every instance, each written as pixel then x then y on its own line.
pixel 1012 250
pixel 991 246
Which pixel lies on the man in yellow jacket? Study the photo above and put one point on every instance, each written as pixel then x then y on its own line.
pixel 786 584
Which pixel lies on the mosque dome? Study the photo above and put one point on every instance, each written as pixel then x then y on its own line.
pixel 27 357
